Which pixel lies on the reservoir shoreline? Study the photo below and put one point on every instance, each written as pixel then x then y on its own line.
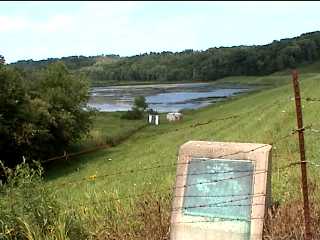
pixel 164 97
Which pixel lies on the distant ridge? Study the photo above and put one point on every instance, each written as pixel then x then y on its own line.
pixel 192 65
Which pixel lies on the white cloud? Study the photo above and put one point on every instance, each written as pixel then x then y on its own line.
pixel 13 23
pixel 109 8
pixel 18 24
pixel 56 23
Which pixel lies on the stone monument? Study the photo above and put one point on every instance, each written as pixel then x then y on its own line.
pixel 222 191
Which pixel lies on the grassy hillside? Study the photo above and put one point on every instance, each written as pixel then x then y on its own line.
pixel 125 192
pixel 259 117
pixel 120 192
pixel 109 128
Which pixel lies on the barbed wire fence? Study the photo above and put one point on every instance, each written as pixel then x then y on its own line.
pixel 231 200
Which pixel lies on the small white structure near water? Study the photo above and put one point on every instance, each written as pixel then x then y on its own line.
pixel 153 119
pixel 174 116
pixel 150 118
pixel 156 119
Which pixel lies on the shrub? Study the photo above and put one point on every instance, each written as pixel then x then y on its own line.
pixel 140 103
pixel 133 114
pixel 139 106
pixel 43 117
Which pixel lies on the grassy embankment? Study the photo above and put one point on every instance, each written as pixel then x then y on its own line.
pixel 109 128
pixel 263 117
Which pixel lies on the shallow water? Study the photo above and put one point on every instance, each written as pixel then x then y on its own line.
pixel 161 97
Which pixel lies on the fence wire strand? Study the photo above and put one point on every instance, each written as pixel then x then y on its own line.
pixel 156 165
pixel 220 204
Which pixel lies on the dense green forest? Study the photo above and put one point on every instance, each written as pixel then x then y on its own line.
pixel 43 117
pixel 190 65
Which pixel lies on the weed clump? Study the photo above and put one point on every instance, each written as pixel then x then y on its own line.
pixel 30 210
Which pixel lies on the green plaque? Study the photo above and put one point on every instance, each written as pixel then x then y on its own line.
pixel 219 189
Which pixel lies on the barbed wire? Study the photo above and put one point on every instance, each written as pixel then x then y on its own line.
pixel 222 196
pixel 171 189
pixel 307 99
pixel 220 204
pixel 235 198
pixel 218 172
pixel 311 99
pixel 104 146
pixel 194 125
pixel 265 106
pixel 89 150
pixel 159 166
pixel 218 180
pixel 94 178
pixel 313 163
pixel 219 219
pixel 79 153
pixel 313 130
pixel 216 205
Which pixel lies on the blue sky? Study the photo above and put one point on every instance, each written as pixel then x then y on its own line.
pixel 39 30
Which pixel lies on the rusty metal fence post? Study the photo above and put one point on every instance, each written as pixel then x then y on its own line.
pixel 304 179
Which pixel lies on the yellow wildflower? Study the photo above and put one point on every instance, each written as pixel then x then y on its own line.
pixel 93 177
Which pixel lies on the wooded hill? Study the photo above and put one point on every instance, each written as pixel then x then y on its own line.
pixel 191 65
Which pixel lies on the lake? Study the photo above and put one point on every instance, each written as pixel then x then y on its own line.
pixel 162 97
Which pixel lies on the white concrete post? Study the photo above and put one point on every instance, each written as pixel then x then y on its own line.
pixel 157 120
pixel 150 118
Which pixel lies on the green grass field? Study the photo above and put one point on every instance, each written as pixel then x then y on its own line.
pixel 124 191
pixel 108 127
pixel 262 117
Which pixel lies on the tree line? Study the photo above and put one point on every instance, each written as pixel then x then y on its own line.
pixel 213 63
pixel 208 65
pixel 71 62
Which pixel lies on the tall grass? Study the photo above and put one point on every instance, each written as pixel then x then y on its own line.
pixel 109 129
pixel 31 211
